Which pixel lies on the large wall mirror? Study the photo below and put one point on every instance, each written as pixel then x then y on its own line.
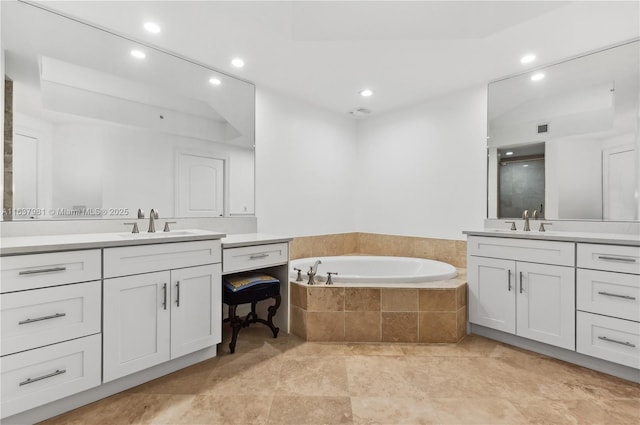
pixel 563 140
pixel 103 125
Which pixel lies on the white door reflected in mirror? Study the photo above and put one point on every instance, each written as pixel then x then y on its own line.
pixel 200 186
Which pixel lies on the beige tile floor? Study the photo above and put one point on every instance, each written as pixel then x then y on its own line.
pixel 290 381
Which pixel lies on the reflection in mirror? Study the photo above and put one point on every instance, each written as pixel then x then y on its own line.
pixel 99 132
pixel 521 180
pixel 566 142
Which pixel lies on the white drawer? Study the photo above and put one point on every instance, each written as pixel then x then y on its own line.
pixel 534 251
pixel 151 258
pixel 23 272
pixel 46 316
pixel 608 293
pixel 607 338
pixel 254 257
pixel 36 377
pixel 615 258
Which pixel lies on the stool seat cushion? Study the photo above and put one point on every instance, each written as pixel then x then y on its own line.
pixel 250 295
pixel 242 281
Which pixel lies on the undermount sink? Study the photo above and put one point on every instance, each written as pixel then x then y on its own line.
pixel 156 235
pixel 520 231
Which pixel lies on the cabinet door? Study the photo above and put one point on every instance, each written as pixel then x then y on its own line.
pixel 492 293
pixel 546 304
pixel 196 309
pixel 136 323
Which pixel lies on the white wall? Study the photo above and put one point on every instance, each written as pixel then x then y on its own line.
pixel 305 167
pixel 422 169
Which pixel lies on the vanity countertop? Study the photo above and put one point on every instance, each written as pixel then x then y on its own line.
pixel 50 243
pixel 600 238
pixel 251 239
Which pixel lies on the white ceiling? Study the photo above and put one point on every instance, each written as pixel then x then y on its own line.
pixel 405 51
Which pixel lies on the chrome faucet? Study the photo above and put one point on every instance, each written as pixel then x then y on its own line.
pixel 525 216
pixel 312 272
pixel 153 214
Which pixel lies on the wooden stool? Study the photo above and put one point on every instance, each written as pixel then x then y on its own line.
pixel 252 295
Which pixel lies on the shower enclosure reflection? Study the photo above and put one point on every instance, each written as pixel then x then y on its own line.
pixel 521 181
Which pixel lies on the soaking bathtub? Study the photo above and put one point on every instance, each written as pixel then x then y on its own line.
pixel 379 299
pixel 375 271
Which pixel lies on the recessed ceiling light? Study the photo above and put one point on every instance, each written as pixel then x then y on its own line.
pixel 537 77
pixel 152 27
pixel 237 62
pixel 138 54
pixel 528 58
pixel 365 93
pixel 508 153
pixel 215 81
pixel 525 165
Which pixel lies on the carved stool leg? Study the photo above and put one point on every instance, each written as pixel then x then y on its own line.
pixel 236 324
pixel 272 312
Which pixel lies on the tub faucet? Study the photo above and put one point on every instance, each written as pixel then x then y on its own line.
pixel 312 272
pixel 525 216
pixel 314 268
pixel 153 214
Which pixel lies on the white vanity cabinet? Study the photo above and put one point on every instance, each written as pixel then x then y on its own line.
pixel 254 257
pixel 50 309
pixel 523 287
pixel 608 303
pixel 152 316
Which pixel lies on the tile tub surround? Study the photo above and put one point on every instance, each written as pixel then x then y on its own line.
pixel 289 381
pixel 423 315
pixel 450 251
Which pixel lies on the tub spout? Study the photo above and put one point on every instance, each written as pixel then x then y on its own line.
pixel 314 268
pixel 312 272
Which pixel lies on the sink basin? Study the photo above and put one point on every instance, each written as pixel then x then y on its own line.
pixel 156 235
pixel 508 231
pixel 521 232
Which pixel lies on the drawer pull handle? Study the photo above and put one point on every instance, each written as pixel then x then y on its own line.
pixel 609 294
pixel 620 259
pixel 40 378
pixel 628 344
pixel 51 270
pixel 53 316
pixel 258 256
